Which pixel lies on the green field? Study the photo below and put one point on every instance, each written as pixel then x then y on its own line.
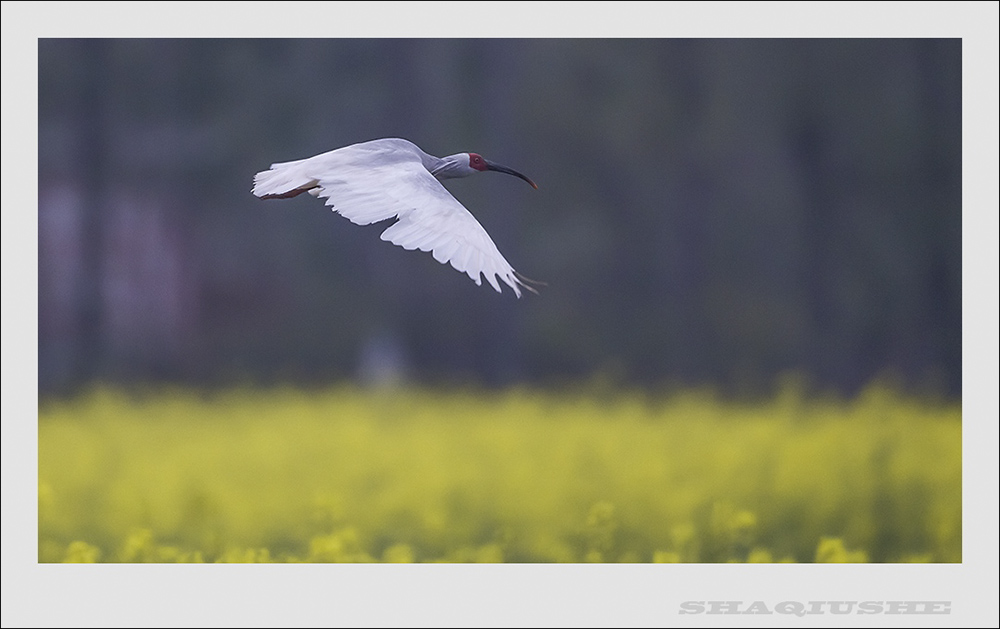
pixel 413 475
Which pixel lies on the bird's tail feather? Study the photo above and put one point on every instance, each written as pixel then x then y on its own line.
pixel 282 181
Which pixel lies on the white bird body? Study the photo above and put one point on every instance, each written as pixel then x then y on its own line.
pixel 381 179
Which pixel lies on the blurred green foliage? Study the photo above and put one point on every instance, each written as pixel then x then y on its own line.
pixel 413 475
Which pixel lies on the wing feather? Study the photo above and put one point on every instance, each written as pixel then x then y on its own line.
pixel 374 181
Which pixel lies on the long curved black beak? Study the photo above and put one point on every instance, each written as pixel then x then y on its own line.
pixel 510 171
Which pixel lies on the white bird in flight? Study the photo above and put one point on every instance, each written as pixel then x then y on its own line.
pixel 381 179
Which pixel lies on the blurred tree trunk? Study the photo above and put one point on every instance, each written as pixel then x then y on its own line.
pixel 92 154
pixel 502 323
pixel 941 166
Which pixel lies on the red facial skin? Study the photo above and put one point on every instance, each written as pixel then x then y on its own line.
pixel 476 161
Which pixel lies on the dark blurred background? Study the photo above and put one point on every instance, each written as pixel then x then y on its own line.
pixel 709 212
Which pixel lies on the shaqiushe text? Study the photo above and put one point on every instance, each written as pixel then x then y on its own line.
pixel 798 608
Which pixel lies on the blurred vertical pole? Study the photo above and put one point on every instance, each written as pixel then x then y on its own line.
pixel 687 230
pixel 940 62
pixel 91 124
pixel 813 135
pixel 501 60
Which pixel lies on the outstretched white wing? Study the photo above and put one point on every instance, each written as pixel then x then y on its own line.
pixel 377 180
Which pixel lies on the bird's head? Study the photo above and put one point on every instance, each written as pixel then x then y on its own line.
pixel 465 164
pixel 481 164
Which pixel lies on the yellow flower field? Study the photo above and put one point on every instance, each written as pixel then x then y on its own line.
pixel 413 475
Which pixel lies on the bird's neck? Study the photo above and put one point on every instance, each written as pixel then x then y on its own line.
pixel 451 167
